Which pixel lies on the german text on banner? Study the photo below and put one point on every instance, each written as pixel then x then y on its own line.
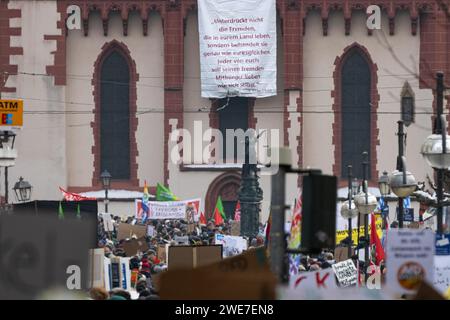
pixel 185 210
pixel 238 44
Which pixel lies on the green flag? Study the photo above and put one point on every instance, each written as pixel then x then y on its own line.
pixel 78 211
pixel 219 208
pixel 164 194
pixel 60 211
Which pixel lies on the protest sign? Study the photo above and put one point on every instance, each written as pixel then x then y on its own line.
pixel 341 254
pixel 238 48
pixel 232 245
pixel 246 276
pixel 346 273
pixel 409 259
pixel 150 230
pixel 309 285
pixel 188 257
pixel 442 244
pixel 108 224
pixel 161 253
pixel 181 240
pixel 117 273
pixel 126 231
pixel 235 228
pixel 133 246
pixel 441 273
pixel 187 209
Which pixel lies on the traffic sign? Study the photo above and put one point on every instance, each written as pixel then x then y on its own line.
pixel 11 114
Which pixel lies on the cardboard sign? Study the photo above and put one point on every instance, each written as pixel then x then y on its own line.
pixel 341 254
pixel 188 257
pixel 409 259
pixel 133 246
pixel 232 245
pixel 246 276
pixel 235 228
pixel 11 114
pixel 441 273
pixel 126 231
pixel 161 253
pixel 346 273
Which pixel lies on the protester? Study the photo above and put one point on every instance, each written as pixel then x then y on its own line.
pixel 98 294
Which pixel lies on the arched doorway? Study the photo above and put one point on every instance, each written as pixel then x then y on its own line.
pixel 226 186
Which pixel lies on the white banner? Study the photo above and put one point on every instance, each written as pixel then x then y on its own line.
pixel 183 210
pixel 238 48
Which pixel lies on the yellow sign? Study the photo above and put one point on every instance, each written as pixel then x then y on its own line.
pixel 342 234
pixel 11 113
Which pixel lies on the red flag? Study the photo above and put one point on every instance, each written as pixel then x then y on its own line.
pixel 202 219
pixel 374 240
pixel 69 196
pixel 237 212
pixel 218 219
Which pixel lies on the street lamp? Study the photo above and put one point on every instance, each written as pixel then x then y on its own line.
pixel 22 189
pixel 366 204
pixel 383 185
pixel 349 210
pixel 106 182
pixel 8 157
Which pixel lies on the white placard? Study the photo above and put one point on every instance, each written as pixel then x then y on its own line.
pixel 441 273
pixel 187 209
pixel 232 245
pixel 409 259
pixel 238 48
pixel 108 225
pixel 346 273
pixel 150 230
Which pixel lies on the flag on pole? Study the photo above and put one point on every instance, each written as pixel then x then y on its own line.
pixel 70 196
pixel 375 242
pixel 60 211
pixel 237 212
pixel 164 194
pixel 202 220
pixel 267 230
pixel 295 236
pixel 78 211
pixel 219 213
pixel 144 205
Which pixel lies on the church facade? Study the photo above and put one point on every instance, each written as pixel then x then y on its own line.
pixel 108 96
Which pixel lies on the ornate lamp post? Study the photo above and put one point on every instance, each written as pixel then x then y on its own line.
pixel 250 195
pixel 385 190
pixel 349 210
pixel 402 182
pixel 436 148
pixel 22 189
pixel 366 204
pixel 106 182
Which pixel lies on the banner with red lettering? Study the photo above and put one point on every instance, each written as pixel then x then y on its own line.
pixel 238 48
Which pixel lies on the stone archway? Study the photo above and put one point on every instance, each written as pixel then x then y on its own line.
pixel 225 185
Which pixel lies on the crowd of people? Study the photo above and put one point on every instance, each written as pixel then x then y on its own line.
pixel 147 264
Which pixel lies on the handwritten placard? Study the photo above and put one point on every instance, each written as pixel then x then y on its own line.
pixel 441 273
pixel 346 273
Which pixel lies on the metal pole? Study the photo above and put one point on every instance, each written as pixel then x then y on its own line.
pixel 106 200
pixel 350 238
pixel 277 236
pixel 439 130
pixel 6 185
pixel 366 222
pixel 401 153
